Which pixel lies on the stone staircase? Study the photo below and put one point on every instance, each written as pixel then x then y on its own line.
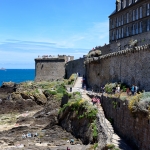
pixel 112 138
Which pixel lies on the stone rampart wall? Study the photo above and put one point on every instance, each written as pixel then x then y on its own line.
pixel 74 67
pixel 131 66
pixel 134 129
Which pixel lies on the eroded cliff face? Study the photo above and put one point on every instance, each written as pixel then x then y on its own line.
pixel 79 118
pixel 80 128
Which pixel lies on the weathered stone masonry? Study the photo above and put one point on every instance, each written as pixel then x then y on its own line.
pixel 135 129
pixel 49 69
pixel 74 67
pixel 130 66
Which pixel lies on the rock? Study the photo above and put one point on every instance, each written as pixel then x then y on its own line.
pixel 40 99
pixel 8 84
pixel 25 96
pixel 16 96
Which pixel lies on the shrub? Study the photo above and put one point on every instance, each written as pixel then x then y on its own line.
pixel 109 87
pixel 140 103
pixel 95 131
pixel 95 145
pixel 72 78
pixel 110 146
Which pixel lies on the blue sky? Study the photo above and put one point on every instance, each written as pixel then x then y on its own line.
pixel 29 28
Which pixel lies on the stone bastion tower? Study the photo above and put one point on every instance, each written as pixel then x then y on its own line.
pixel 49 68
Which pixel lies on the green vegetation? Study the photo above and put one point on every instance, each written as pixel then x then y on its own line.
pixel 94 53
pixel 114 104
pixel 109 87
pixel 95 131
pixel 72 79
pixel 111 147
pixel 140 104
pixel 82 109
pixel 78 105
pixel 95 145
pixel 56 89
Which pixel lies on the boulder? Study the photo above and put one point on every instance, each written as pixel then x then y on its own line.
pixel 40 99
pixel 8 84
pixel 16 96
pixel 25 95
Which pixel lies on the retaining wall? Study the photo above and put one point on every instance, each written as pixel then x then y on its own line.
pixel 134 129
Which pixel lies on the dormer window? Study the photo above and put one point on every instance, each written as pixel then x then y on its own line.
pixel 130 2
pixel 119 5
pixel 124 3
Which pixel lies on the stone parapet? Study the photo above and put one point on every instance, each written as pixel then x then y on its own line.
pixel 122 52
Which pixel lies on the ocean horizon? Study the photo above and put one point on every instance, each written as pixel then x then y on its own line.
pixel 16 75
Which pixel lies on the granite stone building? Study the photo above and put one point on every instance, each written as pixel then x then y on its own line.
pixel 49 68
pixel 130 21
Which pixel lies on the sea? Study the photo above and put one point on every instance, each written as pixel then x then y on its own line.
pixel 17 75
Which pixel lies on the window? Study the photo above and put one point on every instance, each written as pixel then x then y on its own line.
pixel 122 20
pixel 127 31
pixel 137 31
pixel 117 22
pixel 133 15
pixel 124 3
pixel 137 15
pixel 133 29
pixel 112 26
pixel 140 28
pixel 117 34
pixel 148 9
pixel 141 14
pixel 148 25
pixel 122 33
pixel 130 2
pixel 127 17
pixel 112 37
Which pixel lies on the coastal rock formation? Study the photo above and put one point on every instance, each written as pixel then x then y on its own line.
pixel 25 112
pixel 40 98
pixel 8 85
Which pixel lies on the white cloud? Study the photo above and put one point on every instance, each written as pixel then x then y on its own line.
pixel 78 44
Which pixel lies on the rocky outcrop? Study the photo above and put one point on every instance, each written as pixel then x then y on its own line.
pixel 16 96
pixel 80 128
pixel 40 98
pixel 8 85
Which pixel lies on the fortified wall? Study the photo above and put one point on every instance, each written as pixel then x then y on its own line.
pixel 50 68
pixel 75 66
pixel 130 66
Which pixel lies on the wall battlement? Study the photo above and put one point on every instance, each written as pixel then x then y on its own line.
pixel 121 52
